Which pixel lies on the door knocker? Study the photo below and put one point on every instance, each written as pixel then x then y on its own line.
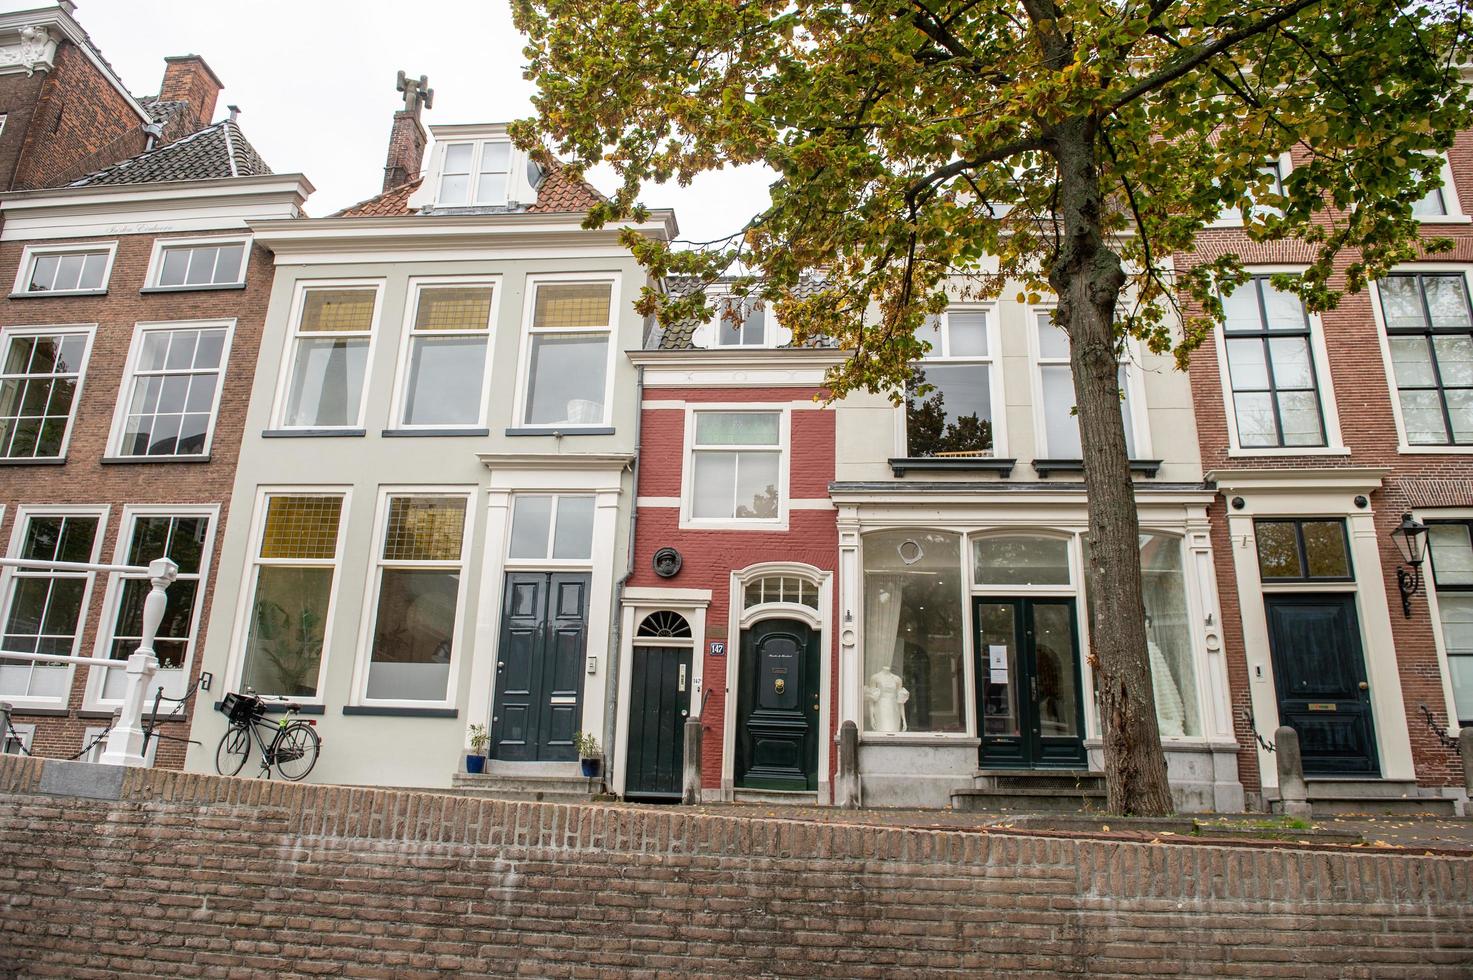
pixel 778 685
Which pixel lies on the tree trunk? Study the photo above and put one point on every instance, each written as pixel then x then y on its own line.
pixel 1088 277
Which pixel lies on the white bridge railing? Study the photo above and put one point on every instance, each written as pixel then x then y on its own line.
pixel 125 740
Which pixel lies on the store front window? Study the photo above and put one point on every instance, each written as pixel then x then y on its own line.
pixel 914 628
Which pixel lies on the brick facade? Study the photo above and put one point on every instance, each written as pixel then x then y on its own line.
pixel 183 874
pixel 85 479
pixel 1364 402
pixel 74 123
pixel 710 556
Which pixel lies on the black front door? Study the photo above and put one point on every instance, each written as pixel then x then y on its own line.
pixel 659 702
pixel 777 707
pixel 1321 679
pixel 539 670
pixel 1028 691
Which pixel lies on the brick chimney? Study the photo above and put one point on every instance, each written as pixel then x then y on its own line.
pixel 188 79
pixel 408 137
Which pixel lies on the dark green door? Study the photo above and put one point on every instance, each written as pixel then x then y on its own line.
pixel 539 669
pixel 1321 679
pixel 659 702
pixel 777 707
pixel 1028 689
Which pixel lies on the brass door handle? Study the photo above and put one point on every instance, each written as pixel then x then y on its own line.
pixel 1364 686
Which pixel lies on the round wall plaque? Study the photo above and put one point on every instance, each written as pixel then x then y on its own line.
pixel 667 562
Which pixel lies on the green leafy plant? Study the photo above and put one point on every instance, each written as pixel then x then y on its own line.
pixel 478 738
pixel 587 746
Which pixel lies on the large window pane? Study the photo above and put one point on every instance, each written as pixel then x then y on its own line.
pixel 1278 550
pixel 913 632
pixel 171 407
pixel 303 527
pixel 327 383
pixel 1451 554
pixel 737 428
pixel 1061 425
pixel 446 376
pixel 1168 636
pixel 530 522
pixel 1020 560
pixel 563 305
pixel 955 417
pixel 1276 401
pixel 413 635
pixel 568 375
pixel 288 620
pixel 37 391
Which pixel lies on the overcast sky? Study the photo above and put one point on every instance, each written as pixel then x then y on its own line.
pixel 315 83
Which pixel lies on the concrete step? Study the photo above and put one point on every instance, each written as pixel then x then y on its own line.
pixel 779 797
pixel 1059 780
pixel 533 788
pixel 1372 797
pixel 1045 798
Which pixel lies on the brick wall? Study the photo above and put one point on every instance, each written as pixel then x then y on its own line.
pixel 79 124
pixel 86 480
pixel 710 556
pixel 1364 407
pixel 183 874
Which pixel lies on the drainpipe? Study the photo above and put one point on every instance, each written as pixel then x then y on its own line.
pixel 151 134
pixel 611 694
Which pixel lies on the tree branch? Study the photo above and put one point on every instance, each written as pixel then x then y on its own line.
pixel 995 155
pixel 1204 52
pixel 930 25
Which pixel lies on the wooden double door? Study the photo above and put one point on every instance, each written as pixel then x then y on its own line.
pixel 1030 706
pixel 540 667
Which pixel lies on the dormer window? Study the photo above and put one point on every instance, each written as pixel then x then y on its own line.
pixel 475 174
pixel 741 323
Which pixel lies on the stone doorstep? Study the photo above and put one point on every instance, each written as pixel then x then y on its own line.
pixel 1178 826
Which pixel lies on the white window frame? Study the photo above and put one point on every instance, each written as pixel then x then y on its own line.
pixel 294 334
pixel 459 642
pixel 1403 446
pixel 18 528
pixel 89 330
pixel 772 331
pixel 1134 410
pixel 417 285
pixel 1230 217
pixel 784 411
pixel 549 563
pixel 254 563
pixel 32 252
pixel 993 360
pixel 113 595
pixel 524 365
pixel 1450 199
pixel 1324 382
pixel 473 177
pixel 160 245
pixel 130 378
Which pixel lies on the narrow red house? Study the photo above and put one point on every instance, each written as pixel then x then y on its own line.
pixel 730 608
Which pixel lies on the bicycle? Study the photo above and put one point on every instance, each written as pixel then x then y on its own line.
pixel 293 748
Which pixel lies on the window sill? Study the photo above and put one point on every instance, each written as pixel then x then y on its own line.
pixel 1289 451
pixel 311 433
pixel 1444 219
pixel 432 433
pixel 572 430
pixel 145 460
pixel 108 713
pixel 278 708
pixel 42 712
pixel 900 465
pixel 1043 467
pixel 956 739
pixel 212 287
pixel 392 712
pixel 35 461
pixel 1420 450
pixel 45 294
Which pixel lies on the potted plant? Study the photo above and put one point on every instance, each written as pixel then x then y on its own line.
pixel 475 759
pixel 589 754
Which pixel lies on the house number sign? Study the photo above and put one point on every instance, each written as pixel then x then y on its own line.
pixel 718 648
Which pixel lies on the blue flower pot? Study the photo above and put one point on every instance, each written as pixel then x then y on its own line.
pixel 475 763
pixel 590 768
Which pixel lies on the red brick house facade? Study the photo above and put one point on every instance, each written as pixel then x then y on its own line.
pixel 731 608
pixel 127 347
pixel 1320 432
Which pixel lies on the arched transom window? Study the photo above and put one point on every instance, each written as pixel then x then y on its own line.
pixel 663 625
pixel 780 588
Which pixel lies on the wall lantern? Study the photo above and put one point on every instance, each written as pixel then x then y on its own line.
pixel 1411 540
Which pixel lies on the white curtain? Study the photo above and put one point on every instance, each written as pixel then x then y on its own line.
pixel 882 595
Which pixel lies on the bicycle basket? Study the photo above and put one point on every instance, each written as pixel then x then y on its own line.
pixel 242 708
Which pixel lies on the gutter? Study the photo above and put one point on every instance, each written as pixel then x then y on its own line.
pixel 611 694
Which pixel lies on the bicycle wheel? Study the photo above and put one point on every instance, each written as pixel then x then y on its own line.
pixel 294 750
pixel 234 749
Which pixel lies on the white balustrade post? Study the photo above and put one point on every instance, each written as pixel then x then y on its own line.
pixel 125 741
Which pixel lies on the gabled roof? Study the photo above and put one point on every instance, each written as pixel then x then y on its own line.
pixel 558 193
pixel 220 150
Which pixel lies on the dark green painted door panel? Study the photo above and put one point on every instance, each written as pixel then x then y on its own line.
pixel 539 672
pixel 777 707
pixel 659 703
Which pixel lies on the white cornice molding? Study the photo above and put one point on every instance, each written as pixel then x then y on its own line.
pixel 557 461
pixel 775 367
pixel 131 209
pixel 990 505
pixel 1358 479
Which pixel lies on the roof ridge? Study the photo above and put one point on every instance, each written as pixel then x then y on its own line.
pixel 225 128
